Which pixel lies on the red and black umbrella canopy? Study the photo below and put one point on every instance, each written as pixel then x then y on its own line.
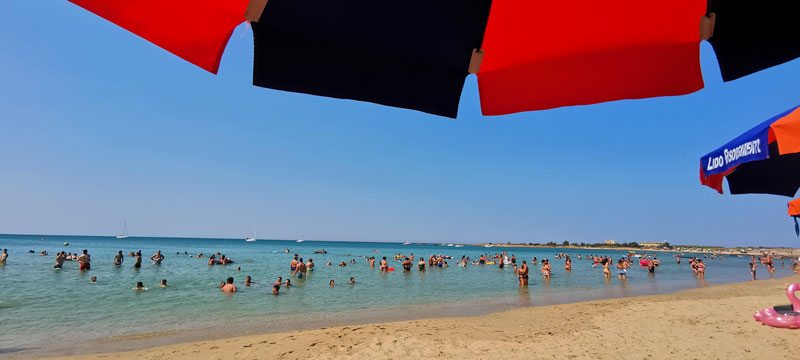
pixel 528 54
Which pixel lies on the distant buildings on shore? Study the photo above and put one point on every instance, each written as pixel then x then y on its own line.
pixel 654 244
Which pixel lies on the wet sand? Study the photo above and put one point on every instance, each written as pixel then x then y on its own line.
pixel 711 323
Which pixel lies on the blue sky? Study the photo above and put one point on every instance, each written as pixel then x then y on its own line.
pixel 99 126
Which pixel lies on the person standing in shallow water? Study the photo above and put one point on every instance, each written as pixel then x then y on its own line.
pixel 301 268
pixel 157 258
pixel 384 265
pixel 522 272
pixel 229 287
pixel 84 261
pixel 407 265
pixel 138 262
pixel 3 257
pixel 119 258
pixel 60 257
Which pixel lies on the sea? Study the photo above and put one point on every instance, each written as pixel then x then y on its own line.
pixel 46 311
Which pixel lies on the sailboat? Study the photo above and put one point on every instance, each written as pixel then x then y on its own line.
pixel 301 238
pixel 124 232
pixel 253 238
pixel 406 243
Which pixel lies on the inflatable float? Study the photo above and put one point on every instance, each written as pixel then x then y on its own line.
pixel 786 317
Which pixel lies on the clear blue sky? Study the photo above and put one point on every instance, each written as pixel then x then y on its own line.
pixel 99 126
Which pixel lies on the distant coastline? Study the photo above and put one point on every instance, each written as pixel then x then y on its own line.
pixel 695 249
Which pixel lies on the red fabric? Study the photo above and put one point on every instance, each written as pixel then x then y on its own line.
pixel 794 207
pixel 546 54
pixel 714 181
pixel 786 131
pixel 195 30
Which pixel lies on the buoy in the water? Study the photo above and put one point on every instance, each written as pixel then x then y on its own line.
pixel 66 244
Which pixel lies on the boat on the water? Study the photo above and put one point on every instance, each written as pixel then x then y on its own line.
pixel 406 243
pixel 124 234
pixel 251 238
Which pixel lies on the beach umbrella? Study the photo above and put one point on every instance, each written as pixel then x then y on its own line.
pixel 195 30
pixel 764 160
pixel 527 54
pixel 546 54
pixel 794 212
pixel 409 54
pixel 752 35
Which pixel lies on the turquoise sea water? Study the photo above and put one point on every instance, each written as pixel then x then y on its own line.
pixel 45 310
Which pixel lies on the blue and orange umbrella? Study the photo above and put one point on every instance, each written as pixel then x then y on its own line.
pixel 794 211
pixel 763 160
pixel 527 54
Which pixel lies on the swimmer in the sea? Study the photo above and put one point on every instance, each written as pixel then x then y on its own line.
pixel 163 283
pixel 118 259
pixel 522 273
pixel 352 280
pixel 623 273
pixel 229 287
pixel 139 286
pixel 248 281
pixel 157 257
pixel 94 279
pixel 60 257
pixel 331 283
pixel 85 261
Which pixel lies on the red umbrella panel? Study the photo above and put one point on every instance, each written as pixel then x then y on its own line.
pixel 195 30
pixel 546 54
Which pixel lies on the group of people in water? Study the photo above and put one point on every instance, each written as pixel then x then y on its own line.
pixel 768 261
pixel 300 268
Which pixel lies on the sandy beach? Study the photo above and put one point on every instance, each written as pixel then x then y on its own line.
pixel 712 323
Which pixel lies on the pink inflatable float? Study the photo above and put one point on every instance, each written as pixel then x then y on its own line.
pixel 783 316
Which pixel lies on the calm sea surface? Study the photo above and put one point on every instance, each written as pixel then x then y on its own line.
pixel 46 311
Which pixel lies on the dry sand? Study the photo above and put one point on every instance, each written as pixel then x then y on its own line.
pixel 707 323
